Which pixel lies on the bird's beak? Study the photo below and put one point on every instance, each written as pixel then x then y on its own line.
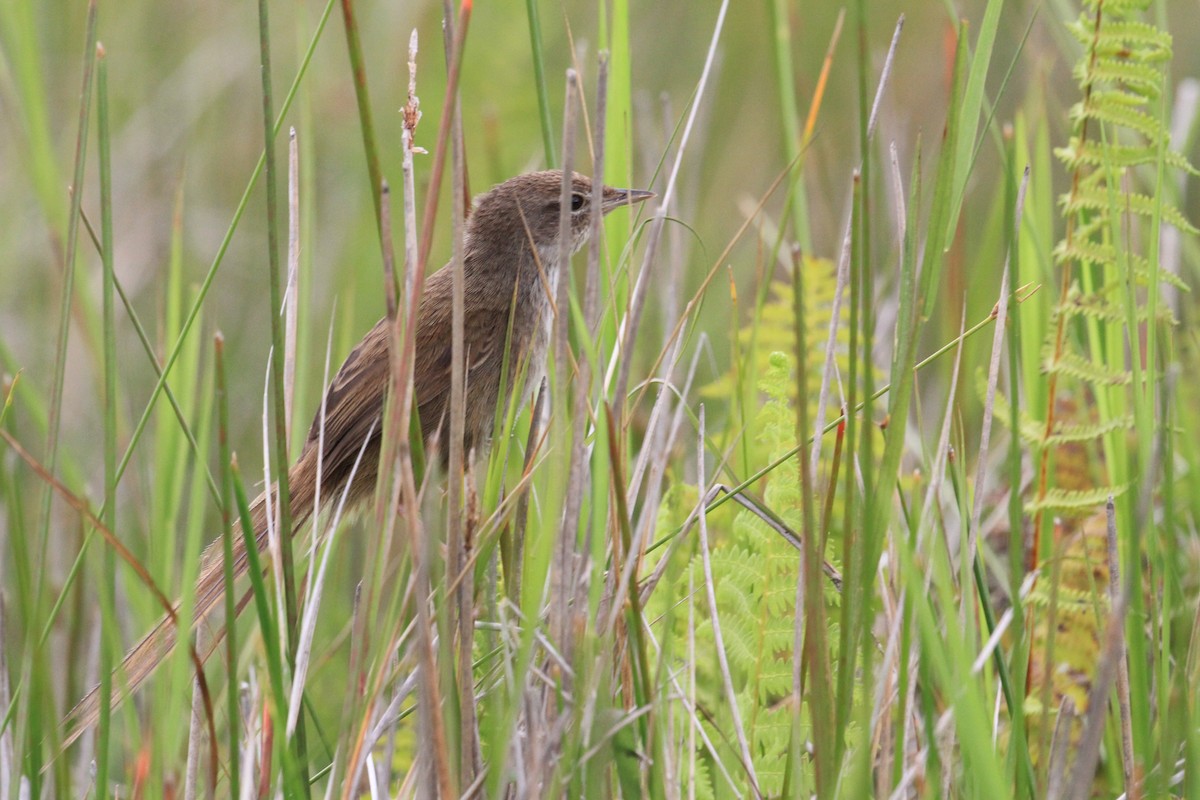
pixel 623 197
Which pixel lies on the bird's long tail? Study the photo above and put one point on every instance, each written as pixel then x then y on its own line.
pixel 156 646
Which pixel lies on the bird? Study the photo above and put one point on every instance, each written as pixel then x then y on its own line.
pixel 510 268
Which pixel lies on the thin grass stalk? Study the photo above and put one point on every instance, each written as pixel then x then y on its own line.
pixel 461 600
pixel 455 603
pixel 827 372
pixel 944 668
pixel 410 455
pixel 1012 673
pixel 1001 312
pixel 1143 560
pixel 293 286
pixel 785 71
pixel 10 776
pixel 864 447
pixel 813 655
pixel 1182 735
pixel 578 472
pixel 311 608
pixel 797 786
pixel 912 665
pixel 562 578
pixel 107 583
pixel 587 396
pixel 431 749
pixel 306 335
pixel 853 508
pixel 232 687
pixel 1018 663
pixel 363 101
pixel 658 470
pixel 561 285
pixel 414 275
pixel 539 79
pixel 1140 675
pixel 280 450
pixel 439 154
pixel 613 34
pixel 898 724
pixel 862 318
pixel 654 464
pixel 1128 765
pixel 864 197
pixel 34 667
pixel 196 732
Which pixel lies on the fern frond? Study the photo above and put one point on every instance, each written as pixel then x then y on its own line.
pixel 1067 433
pixel 1129 37
pixel 1116 8
pixel 1091 154
pixel 1087 251
pixel 1142 277
pixel 1133 74
pixel 1118 108
pixel 1084 369
pixel 1080 502
pixel 1092 199
pixel 1073 604
pixel 1033 430
pixel 1096 306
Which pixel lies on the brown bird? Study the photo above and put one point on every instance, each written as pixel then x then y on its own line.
pixel 510 265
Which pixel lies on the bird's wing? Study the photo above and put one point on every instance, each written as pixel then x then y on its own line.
pixel 353 405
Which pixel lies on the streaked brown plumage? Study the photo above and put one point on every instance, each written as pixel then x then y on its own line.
pixel 511 263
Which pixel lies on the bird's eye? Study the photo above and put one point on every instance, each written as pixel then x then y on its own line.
pixel 576 201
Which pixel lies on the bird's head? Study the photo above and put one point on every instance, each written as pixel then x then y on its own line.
pixel 525 211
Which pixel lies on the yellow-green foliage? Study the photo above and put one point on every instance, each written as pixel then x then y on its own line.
pixel 1118 148
pixel 773 329
pixel 1117 127
pixel 754 577
pixel 771 332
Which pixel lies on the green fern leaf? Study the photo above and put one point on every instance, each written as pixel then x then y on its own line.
pixel 1088 198
pixel 1134 75
pixel 1114 108
pixel 1096 306
pixel 1075 503
pixel 1087 251
pixel 1084 369
pixel 1148 42
pixel 1091 154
